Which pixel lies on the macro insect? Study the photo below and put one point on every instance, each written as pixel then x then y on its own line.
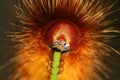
pixel 76 28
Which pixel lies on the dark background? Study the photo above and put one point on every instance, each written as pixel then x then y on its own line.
pixel 6 46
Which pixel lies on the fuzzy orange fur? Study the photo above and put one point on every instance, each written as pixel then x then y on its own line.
pixel 34 56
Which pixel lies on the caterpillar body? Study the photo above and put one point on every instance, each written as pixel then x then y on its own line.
pixel 78 28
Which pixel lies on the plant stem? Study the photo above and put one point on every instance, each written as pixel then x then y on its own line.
pixel 55 65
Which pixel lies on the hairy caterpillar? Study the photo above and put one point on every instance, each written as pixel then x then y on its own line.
pixel 87 39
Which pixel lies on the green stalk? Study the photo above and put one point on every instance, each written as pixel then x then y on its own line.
pixel 55 65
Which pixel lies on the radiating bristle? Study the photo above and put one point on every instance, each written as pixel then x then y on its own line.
pixel 86 59
pixel 80 12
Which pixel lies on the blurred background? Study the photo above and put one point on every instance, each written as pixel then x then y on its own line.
pixel 7 47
